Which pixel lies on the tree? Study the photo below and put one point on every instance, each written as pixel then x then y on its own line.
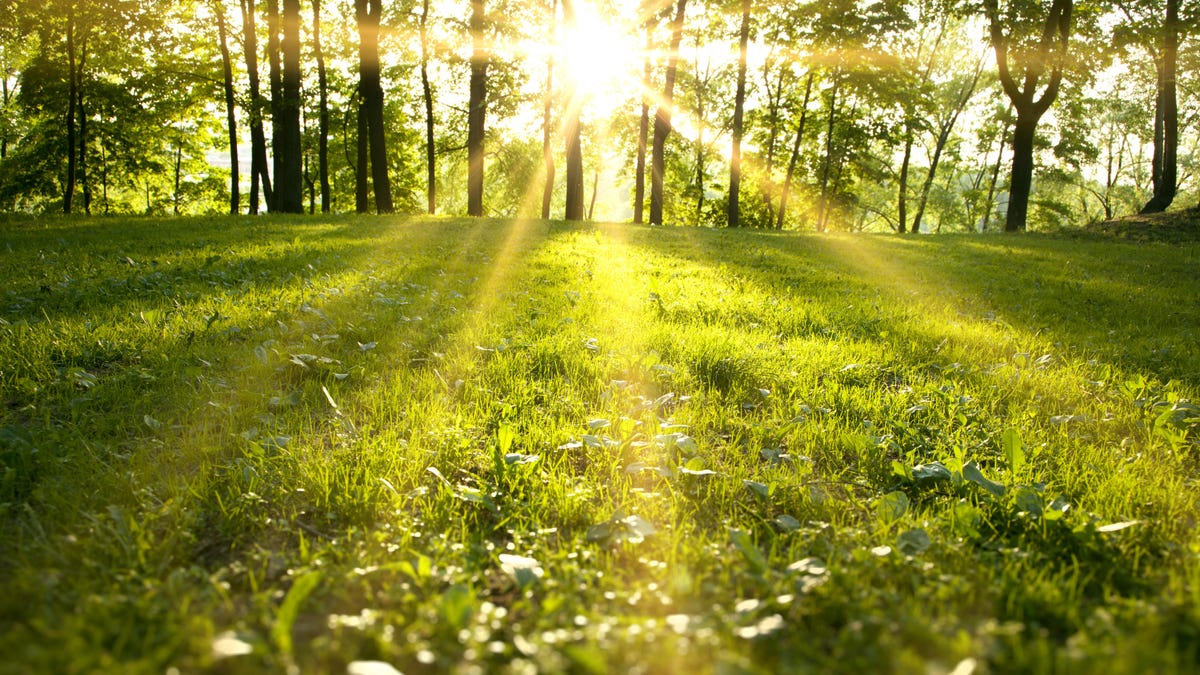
pixel 323 112
pixel 476 111
pixel 230 113
pixel 735 161
pixel 1161 39
pixel 574 177
pixel 791 169
pixel 371 124
pixel 547 110
pixel 662 118
pixel 427 99
pixel 258 140
pixel 290 179
pixel 1022 57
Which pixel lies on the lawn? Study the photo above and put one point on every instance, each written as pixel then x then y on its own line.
pixel 248 445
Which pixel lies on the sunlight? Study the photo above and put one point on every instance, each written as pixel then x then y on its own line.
pixel 600 59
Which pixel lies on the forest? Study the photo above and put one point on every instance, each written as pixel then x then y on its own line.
pixel 895 115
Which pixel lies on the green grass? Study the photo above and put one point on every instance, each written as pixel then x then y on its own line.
pixel 512 447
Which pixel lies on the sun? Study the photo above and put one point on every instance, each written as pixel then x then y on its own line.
pixel 601 59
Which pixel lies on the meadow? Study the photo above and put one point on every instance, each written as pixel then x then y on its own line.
pixel 242 445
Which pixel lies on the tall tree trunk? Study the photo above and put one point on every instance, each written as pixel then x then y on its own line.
pixel 427 96
pixel 1164 172
pixel 323 114
pixel 574 159
pixel 595 188
pixel 81 170
pixel 367 13
pixel 944 129
pixel 290 179
pixel 258 140
pixel 701 166
pixel 822 206
pixel 275 77
pixel 902 191
pixel 476 111
pixel 1051 51
pixel 175 199
pixel 362 162
pixel 639 190
pixel 69 190
pixel 733 211
pixel 662 118
pixel 547 110
pixel 991 194
pixel 791 170
pixel 235 199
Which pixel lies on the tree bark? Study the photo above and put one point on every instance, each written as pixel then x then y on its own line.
pixel 476 111
pixel 275 78
pixel 69 190
pixel 791 170
pixel 991 194
pixel 367 14
pixel 1051 50
pixel 828 163
pixel 733 209
pixel 574 159
pixel 81 171
pixel 427 96
pixel 235 201
pixel 362 162
pixel 1164 171
pixel 902 192
pixel 323 114
pixel 258 140
pixel 290 179
pixel 639 190
pixel 547 110
pixel 662 119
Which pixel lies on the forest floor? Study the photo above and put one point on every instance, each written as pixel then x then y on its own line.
pixel 250 445
pixel 1172 226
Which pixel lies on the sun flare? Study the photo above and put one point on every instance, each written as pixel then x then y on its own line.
pixel 601 60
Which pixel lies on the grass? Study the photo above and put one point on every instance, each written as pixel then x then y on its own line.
pixel 245 445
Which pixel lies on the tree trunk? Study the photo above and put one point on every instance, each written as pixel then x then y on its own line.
pixel 902 192
pixel 828 163
pixel 367 13
pixel 547 110
pixel 235 200
pixel 476 112
pixel 733 210
pixel 991 194
pixel 178 176
pixel 69 191
pixel 1164 171
pixel 639 190
pixel 258 140
pixel 595 188
pixel 574 184
pixel 323 114
pixel 81 170
pixel 791 170
pixel 362 162
pixel 662 119
pixel 427 96
pixel 290 179
pixel 275 78
pixel 1022 171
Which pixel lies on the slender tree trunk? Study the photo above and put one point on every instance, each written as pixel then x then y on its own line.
pixel 290 179
pixel 362 162
pixel 178 177
pixel 662 119
pixel 902 192
pixel 595 187
pixel 367 13
pixel 791 170
pixel 991 193
pixel 822 205
pixel 639 190
pixel 104 178
pixel 323 114
pixel 733 211
pixel 547 110
pixel 476 111
pixel 275 78
pixel 1164 172
pixel 574 158
pixel 427 96
pixel 701 154
pixel 69 191
pixel 235 200
pixel 258 139
pixel 83 129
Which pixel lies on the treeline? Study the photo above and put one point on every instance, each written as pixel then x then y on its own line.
pixel 908 115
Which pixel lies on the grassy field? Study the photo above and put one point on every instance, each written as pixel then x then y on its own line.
pixel 246 445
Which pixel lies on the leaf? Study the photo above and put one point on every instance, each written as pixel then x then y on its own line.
pixel 1010 442
pixel 913 542
pixel 786 523
pixel 971 472
pixel 281 631
pixel 518 458
pixel 457 606
pixel 525 571
pixel 505 436
pixel 433 470
pixel 1117 527
pixel 932 472
pixel 892 506
pixel 597 424
pixel 761 491
pixel 745 545
pixel 151 422
pixel 1029 500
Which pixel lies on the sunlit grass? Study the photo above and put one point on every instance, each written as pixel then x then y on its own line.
pixel 312 442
